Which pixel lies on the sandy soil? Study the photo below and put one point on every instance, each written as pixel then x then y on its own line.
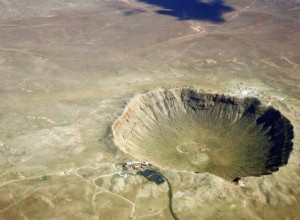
pixel 68 69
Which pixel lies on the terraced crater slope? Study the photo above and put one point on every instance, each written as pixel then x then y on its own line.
pixel 185 129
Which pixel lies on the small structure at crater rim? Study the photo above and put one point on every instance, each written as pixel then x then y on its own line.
pixel 184 129
pixel 153 176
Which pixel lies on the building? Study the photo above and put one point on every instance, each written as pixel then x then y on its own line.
pixel 153 176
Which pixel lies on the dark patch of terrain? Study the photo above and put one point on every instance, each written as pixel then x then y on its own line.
pixel 192 9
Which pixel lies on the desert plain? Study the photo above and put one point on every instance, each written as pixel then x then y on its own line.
pixel 68 69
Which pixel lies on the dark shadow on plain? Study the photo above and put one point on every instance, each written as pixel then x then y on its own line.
pixel 192 9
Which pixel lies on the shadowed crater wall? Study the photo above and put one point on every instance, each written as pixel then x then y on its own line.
pixel 188 130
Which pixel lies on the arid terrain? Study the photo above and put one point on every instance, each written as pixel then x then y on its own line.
pixel 68 69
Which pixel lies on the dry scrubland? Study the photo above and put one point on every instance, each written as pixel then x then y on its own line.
pixel 68 69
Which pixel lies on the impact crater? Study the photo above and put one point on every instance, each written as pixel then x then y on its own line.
pixel 185 129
